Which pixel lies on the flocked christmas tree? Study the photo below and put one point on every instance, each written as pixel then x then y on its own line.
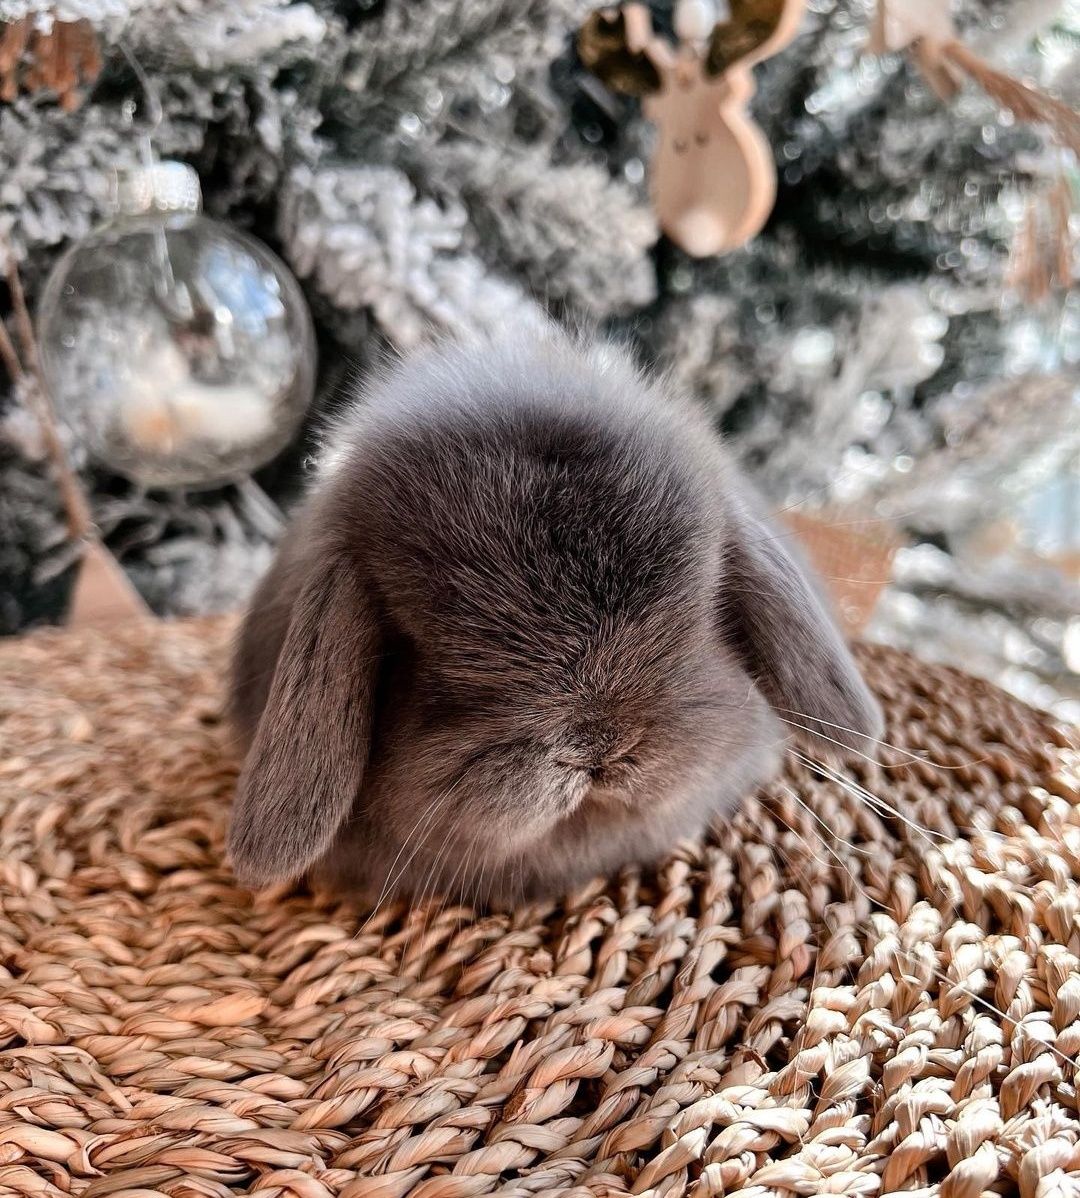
pixel 436 166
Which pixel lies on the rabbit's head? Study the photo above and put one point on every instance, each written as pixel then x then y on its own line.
pixel 527 628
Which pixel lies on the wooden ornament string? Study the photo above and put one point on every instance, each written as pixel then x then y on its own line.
pixel 102 592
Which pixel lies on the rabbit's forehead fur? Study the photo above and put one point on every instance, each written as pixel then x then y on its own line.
pixel 529 518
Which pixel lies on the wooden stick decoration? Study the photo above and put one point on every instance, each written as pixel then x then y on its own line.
pixel 1041 261
pixel 713 178
pixel 102 593
pixel 924 29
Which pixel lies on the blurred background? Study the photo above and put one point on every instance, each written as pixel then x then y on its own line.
pixel 894 355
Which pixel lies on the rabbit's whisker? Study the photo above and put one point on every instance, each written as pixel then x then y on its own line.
pixel 875 802
pixel 426 896
pixel 831 831
pixel 782 711
pixel 426 817
pixel 919 962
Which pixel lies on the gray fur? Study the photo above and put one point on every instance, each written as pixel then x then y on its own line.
pixel 527 628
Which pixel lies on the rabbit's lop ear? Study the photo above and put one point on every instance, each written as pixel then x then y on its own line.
pixel 304 769
pixel 774 619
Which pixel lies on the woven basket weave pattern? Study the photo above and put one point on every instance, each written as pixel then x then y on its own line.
pixel 804 1006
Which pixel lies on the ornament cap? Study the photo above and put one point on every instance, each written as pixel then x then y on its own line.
pixel 158 187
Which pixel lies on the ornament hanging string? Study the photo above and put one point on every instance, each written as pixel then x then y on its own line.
pixel 154 112
pixel 155 115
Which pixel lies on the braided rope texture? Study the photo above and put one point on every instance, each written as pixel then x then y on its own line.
pixel 827 998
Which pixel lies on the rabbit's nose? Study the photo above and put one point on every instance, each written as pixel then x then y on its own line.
pixel 593 747
pixel 595 774
pixel 590 744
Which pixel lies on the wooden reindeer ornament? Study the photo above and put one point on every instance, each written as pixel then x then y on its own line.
pixel 713 179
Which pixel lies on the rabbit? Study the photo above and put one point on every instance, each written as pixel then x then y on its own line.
pixel 528 626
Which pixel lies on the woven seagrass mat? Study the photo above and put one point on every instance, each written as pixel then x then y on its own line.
pixel 826 999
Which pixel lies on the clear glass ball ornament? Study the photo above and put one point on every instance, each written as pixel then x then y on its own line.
pixel 178 350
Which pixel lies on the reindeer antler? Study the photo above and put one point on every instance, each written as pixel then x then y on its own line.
pixel 757 28
pixel 618 46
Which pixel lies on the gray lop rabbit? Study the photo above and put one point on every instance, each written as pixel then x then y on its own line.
pixel 527 627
